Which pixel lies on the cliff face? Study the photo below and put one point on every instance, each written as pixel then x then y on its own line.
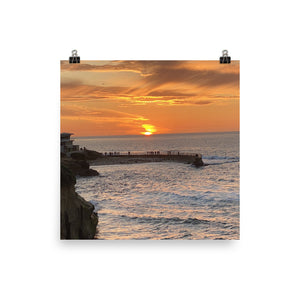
pixel 77 217
pixel 79 167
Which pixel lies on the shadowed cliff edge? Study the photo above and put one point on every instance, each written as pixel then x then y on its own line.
pixel 77 217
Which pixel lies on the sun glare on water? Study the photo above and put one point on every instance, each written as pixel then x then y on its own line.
pixel 149 129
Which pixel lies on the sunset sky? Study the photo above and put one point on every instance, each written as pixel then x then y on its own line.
pixel 100 98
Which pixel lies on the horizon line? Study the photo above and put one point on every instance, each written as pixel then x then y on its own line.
pixel 158 134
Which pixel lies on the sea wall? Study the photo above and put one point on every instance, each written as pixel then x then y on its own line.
pixel 133 159
pixel 78 219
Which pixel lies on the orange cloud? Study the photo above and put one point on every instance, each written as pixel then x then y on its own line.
pixel 99 119
pixel 177 96
pixel 166 82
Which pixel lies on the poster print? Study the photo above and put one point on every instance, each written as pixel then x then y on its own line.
pixel 150 150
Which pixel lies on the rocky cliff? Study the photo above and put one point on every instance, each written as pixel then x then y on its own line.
pixel 78 219
pixel 78 166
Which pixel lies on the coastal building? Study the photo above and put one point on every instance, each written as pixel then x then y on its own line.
pixel 66 144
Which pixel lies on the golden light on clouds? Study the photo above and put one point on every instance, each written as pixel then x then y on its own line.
pixel 121 97
pixel 149 129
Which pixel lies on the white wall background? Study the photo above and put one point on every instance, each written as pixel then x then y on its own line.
pixel 35 36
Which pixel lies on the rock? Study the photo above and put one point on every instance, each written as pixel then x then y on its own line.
pixel 92 155
pixel 79 167
pixel 77 217
pixel 198 162
pixel 78 156
pixel 88 172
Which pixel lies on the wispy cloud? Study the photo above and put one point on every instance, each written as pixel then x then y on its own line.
pixel 161 82
pixel 96 115
pixel 124 95
pixel 115 121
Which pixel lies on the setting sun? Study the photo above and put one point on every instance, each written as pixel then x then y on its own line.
pixel 149 129
pixel 147 133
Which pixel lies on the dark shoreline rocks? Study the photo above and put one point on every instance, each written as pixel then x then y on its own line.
pixel 79 167
pixel 77 216
pixel 198 162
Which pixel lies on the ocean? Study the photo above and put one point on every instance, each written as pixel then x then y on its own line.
pixel 166 200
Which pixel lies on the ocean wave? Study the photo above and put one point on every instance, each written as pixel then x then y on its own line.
pixel 164 220
pixel 219 160
pixel 219 163
pixel 212 157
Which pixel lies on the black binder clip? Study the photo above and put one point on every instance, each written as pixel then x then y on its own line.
pixel 74 59
pixel 225 59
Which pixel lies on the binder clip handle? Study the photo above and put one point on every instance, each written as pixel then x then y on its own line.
pixel 225 59
pixel 74 52
pixel 74 59
pixel 224 52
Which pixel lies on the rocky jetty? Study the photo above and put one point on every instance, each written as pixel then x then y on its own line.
pixel 142 158
pixel 198 162
pixel 78 219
